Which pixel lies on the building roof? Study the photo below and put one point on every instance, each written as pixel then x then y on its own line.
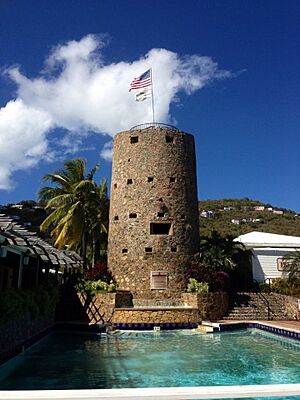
pixel 13 234
pixel 263 239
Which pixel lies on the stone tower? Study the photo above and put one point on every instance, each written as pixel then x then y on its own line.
pixel 153 228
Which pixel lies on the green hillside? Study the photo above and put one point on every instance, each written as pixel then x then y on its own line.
pixel 219 215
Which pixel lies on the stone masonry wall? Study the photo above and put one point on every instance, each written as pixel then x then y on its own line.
pixel 153 181
pixel 190 308
pixel 291 308
pixel 100 308
pixel 144 316
pixel 211 306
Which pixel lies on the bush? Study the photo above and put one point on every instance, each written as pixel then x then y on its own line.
pixel 285 286
pixel 90 288
pixel 197 287
pixel 35 303
pixel 99 272
pixel 201 272
pixel 264 287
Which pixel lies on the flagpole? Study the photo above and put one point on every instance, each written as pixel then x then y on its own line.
pixel 152 97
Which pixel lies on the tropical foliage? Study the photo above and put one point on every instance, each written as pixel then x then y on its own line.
pixel 78 208
pixel 30 303
pixel 281 286
pixel 292 266
pixel 99 271
pixel 90 288
pixel 216 262
pixel 197 287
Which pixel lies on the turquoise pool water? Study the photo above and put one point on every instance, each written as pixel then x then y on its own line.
pixel 131 359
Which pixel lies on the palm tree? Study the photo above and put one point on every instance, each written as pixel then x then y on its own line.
pixel 98 220
pixel 220 253
pixel 292 266
pixel 79 207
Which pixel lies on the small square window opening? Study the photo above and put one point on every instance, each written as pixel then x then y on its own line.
pixel 134 139
pixel 160 228
pixel 132 215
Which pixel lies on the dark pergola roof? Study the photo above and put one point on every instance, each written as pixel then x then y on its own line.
pixel 15 234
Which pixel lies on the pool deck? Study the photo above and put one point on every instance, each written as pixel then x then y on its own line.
pixel 288 329
pixel 293 326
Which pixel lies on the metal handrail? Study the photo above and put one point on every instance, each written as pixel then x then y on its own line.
pixel 263 297
pixel 154 125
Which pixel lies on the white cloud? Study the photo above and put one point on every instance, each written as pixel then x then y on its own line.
pixel 23 140
pixel 107 151
pixel 78 92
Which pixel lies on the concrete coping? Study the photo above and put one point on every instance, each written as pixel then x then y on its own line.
pixel 167 393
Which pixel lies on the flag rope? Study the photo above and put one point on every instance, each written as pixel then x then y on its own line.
pixel 152 97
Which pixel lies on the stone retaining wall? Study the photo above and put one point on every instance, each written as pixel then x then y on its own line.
pixel 178 315
pixel 211 306
pixel 100 308
pixel 118 308
pixel 291 308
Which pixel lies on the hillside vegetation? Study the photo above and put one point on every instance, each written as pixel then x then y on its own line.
pixel 239 216
pixel 219 217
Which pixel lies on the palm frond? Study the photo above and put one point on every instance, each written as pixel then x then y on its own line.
pixel 56 179
pixel 90 175
pixel 75 169
pixel 62 200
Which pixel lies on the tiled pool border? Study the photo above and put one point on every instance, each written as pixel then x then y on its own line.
pixel 152 326
pixel 222 327
pixel 271 329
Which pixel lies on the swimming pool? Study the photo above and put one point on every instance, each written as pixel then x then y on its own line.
pixel 148 359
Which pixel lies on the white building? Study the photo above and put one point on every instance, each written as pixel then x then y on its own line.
pixel 268 249
pixel 278 212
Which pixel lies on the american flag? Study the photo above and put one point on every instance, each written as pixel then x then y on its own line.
pixel 142 81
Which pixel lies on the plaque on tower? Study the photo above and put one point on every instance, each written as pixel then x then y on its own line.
pixel 159 280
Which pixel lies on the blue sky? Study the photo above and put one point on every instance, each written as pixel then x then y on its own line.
pixel 229 73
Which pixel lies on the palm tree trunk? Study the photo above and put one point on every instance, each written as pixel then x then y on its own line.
pixel 93 252
pixel 84 250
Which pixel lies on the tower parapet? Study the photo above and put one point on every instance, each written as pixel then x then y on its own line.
pixel 153 228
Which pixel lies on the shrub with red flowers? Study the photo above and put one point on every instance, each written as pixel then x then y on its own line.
pixel 198 269
pixel 99 272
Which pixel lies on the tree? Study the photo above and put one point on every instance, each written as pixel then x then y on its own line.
pixel 292 266
pixel 79 207
pixel 217 261
pixel 220 252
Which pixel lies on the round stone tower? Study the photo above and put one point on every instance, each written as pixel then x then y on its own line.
pixel 153 228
